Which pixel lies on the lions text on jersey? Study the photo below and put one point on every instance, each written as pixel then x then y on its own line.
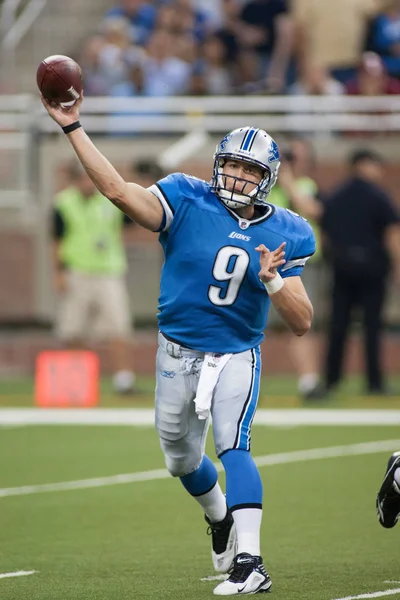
pixel 211 298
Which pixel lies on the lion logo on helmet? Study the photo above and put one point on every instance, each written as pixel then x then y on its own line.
pixel 273 152
pixel 224 142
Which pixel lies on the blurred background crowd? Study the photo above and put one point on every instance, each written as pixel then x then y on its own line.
pixel 204 47
pixel 214 47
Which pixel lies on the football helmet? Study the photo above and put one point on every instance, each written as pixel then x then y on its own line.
pixel 253 146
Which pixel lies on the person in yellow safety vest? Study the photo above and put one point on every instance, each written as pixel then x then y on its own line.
pixel 297 191
pixel 89 274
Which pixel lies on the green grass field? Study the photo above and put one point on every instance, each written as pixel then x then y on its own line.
pixel 147 539
pixel 277 391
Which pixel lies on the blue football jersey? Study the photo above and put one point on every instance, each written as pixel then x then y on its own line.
pixel 211 298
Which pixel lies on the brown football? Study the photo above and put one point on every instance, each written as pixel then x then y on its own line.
pixel 59 78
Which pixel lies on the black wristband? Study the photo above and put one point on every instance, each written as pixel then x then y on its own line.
pixel 72 127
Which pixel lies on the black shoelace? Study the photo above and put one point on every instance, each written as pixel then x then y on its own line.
pixel 240 571
pixel 220 532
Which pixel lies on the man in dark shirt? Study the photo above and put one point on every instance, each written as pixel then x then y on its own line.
pixel 265 35
pixel 362 231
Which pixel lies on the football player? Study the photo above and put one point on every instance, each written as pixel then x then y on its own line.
pixel 228 255
pixel 388 498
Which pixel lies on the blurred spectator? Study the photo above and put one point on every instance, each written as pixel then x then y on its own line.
pixel 168 18
pixel 211 76
pixel 191 20
pixel 89 269
pixel 362 230
pixel 181 18
pixel 164 74
pixel 228 34
pixel 133 85
pixel 141 16
pixel 186 48
pixel 107 61
pixel 296 190
pixel 158 72
pixel 96 84
pixel 265 35
pixel 315 80
pixel 384 36
pixel 372 78
pixel 213 11
pixel 331 33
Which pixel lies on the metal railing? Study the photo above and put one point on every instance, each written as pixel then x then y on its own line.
pixel 190 119
pixel 15 22
pixel 214 114
pixel 14 27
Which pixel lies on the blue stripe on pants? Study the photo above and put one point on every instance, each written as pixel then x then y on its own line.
pixel 249 410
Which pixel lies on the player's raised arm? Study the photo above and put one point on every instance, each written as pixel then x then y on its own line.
pixel 134 200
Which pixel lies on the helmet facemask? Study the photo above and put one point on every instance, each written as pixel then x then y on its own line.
pixel 236 198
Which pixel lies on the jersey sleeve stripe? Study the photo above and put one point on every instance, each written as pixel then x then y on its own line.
pixel 165 197
pixel 294 272
pixel 296 262
pixel 306 256
pixel 168 210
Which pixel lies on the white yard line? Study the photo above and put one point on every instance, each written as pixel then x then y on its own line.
pixel 261 461
pixel 329 452
pixel 142 417
pixel 16 574
pixel 372 595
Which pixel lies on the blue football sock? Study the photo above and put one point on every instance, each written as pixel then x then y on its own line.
pixel 243 481
pixel 202 480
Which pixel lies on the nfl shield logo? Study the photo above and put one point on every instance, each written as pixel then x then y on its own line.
pixel 243 224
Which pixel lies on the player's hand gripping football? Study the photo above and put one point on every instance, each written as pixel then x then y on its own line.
pixel 270 261
pixel 63 116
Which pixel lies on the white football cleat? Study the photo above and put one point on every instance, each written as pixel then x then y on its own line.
pixel 247 576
